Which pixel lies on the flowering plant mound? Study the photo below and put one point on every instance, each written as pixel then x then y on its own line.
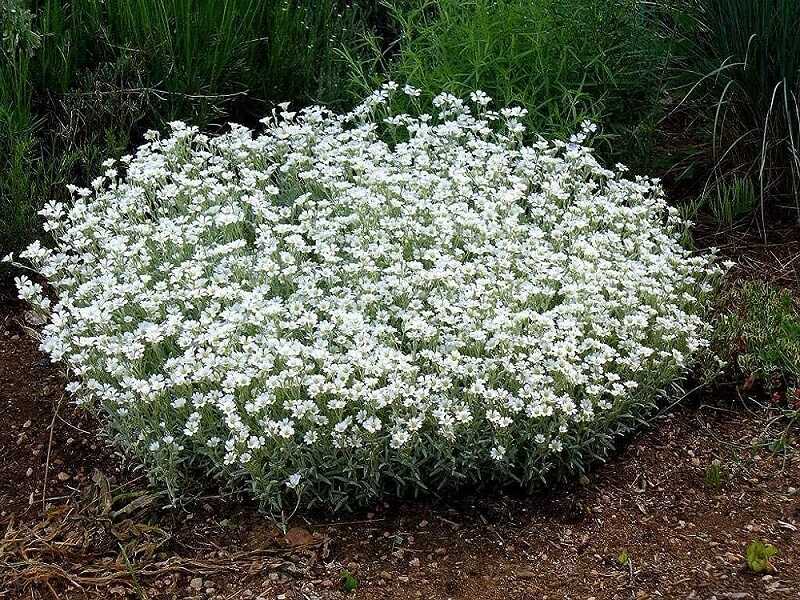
pixel 324 316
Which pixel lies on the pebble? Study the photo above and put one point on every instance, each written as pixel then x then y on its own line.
pixel 62 476
pixel 196 583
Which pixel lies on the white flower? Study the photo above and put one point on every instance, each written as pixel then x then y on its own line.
pixel 314 299
pixel 480 98
pixel 293 481
pixel 497 452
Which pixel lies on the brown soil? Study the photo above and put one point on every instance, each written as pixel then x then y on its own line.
pixel 84 525
pixel 775 261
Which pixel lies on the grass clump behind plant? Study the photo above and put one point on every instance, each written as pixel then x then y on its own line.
pixel 18 145
pixel 740 68
pixel 563 61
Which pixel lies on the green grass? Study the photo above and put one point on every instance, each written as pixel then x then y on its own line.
pixel 18 43
pixel 81 80
pixel 563 61
pixel 728 202
pixel 739 71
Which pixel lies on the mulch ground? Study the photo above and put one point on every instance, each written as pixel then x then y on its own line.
pixel 79 522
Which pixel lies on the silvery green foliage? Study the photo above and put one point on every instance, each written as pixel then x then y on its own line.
pixel 323 316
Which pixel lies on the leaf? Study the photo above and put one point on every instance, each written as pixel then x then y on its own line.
pixel 103 491
pixel 134 505
pixel 758 555
pixel 349 583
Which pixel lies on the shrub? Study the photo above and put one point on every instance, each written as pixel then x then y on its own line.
pixel 563 61
pixel 315 312
pixel 740 68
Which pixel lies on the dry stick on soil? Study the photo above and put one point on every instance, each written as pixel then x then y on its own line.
pixel 633 586
pixel 49 449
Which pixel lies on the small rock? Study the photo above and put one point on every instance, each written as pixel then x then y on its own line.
pixel 414 562
pixel 62 476
pixel 385 575
pixel 196 583
pixel 423 523
pixel 29 472
pixel 26 424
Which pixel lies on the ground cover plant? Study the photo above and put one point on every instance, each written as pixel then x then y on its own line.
pixel 758 332
pixel 326 317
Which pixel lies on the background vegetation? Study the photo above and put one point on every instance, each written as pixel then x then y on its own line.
pixel 602 60
pixel 737 76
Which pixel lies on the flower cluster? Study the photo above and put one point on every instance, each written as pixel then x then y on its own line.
pixel 349 305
